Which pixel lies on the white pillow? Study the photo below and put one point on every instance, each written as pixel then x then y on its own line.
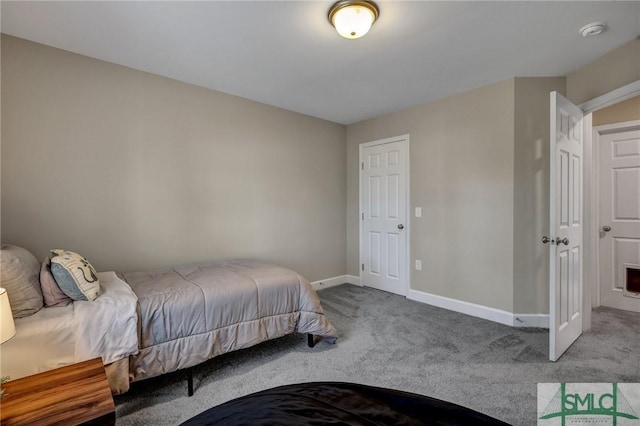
pixel 74 275
pixel 20 276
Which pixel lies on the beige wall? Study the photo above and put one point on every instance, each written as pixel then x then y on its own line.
pixel 441 137
pixel 617 68
pixel 461 152
pixel 136 171
pixel 531 193
pixel 628 110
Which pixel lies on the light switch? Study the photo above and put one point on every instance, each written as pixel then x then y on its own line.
pixel 418 211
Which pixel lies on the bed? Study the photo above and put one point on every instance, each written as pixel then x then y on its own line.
pixel 338 403
pixel 190 314
pixel 145 324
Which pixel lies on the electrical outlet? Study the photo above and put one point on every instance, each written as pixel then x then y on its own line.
pixel 418 265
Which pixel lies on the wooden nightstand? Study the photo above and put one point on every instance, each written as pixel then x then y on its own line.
pixel 71 395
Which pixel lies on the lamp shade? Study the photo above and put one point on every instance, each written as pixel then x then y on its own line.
pixel 353 18
pixel 7 326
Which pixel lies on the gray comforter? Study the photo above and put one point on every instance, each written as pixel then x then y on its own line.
pixel 190 314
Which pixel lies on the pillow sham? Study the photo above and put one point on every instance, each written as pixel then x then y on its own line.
pixel 52 294
pixel 19 270
pixel 74 275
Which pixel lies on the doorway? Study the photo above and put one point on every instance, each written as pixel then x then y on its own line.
pixel 617 157
pixel 590 261
pixel 384 214
pixel 609 103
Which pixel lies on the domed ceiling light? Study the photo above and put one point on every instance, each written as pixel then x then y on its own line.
pixel 353 18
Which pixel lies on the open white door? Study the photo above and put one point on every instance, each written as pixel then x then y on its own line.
pixel 566 225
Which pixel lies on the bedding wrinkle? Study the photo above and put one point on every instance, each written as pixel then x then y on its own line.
pixel 204 305
pixel 108 326
pixel 159 316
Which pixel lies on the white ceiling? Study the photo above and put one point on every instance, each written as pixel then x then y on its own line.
pixel 285 53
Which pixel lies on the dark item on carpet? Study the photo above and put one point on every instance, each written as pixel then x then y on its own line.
pixel 322 403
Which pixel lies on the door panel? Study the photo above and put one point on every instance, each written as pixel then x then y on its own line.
pixel 576 191
pixel 375 253
pixel 393 243
pixel 576 296
pixel 374 198
pixel 563 175
pixel 393 210
pixel 565 257
pixel 619 172
pixel 563 277
pixel 625 193
pixel 384 215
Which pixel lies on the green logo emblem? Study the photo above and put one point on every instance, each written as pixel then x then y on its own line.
pixel 589 407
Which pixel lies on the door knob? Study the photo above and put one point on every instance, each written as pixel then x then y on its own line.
pixel 401 227
pixel 564 241
pixel 546 240
pixel 606 228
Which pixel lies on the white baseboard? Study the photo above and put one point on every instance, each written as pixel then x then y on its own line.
pixel 352 279
pixel 332 282
pixel 531 320
pixel 473 309
pixel 481 311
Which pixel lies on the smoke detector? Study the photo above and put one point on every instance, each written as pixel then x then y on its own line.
pixel 592 29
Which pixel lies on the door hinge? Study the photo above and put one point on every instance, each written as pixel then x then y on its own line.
pixel 362 166
pixel 363 266
pixel 362 216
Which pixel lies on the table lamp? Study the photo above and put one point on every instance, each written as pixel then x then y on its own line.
pixel 7 326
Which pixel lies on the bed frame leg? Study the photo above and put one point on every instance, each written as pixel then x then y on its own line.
pixel 311 340
pixel 190 381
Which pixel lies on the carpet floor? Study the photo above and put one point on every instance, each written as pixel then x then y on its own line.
pixel 389 341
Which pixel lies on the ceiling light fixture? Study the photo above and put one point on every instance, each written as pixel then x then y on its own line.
pixel 353 18
pixel 594 28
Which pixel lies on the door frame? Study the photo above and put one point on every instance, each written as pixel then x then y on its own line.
pixel 597 133
pixel 407 262
pixel 590 200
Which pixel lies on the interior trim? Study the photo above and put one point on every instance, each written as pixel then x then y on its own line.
pixel 593 207
pixel 334 281
pixel 481 311
pixel 615 96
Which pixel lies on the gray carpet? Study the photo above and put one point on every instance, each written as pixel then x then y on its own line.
pixel 389 341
